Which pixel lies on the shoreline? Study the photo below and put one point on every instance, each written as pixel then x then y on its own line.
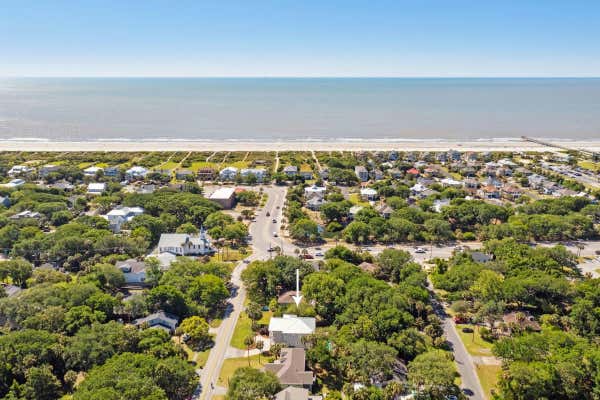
pixel 306 145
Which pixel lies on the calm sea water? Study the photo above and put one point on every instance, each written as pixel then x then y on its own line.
pixel 298 109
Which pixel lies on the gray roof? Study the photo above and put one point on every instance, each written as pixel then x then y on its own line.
pixel 131 266
pixel 295 393
pixel 289 368
pixel 159 319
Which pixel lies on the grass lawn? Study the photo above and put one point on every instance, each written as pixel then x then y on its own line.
pixel 242 330
pixel 202 164
pixel 587 164
pixel 201 358
pixel 229 255
pixel 356 200
pixel 231 364
pixel 238 164
pixel 215 323
pixel 475 345
pixel 168 165
pixel 488 376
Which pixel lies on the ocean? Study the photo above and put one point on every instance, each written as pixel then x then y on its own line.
pixel 298 109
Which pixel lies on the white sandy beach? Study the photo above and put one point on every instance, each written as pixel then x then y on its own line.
pixel 381 145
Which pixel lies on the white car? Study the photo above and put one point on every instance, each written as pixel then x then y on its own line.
pixel 275 234
pixel 420 250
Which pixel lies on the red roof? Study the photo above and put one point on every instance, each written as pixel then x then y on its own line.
pixel 413 171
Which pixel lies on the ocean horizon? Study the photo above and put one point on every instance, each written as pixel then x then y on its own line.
pixel 299 109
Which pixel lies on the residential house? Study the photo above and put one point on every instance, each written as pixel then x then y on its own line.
pixel 315 203
pixel 10 290
pixel 353 211
pixel 449 182
pixel 96 188
pixel 481 257
pixel 160 319
pixel 92 171
pixel 393 156
pixel 549 187
pixel 439 204
pixel 368 194
pixel 62 185
pixel 368 267
pixel 26 214
pixel 289 368
pixel 454 155
pixel 111 171
pixel 118 216
pixel 441 157
pixel 18 170
pixel 377 174
pixel 290 329
pixel 259 173
pixel 290 170
pixel 536 181
pixel 206 174
pixel 471 183
pixel 384 210
pixel 306 173
pixel 395 173
pixel 519 321
pixel 225 197
pixel 183 173
pixel 413 172
pixel 228 174
pixel 313 190
pixel 511 192
pixel 133 270
pixel 324 173
pixel 361 173
pixel 5 201
pixel 183 244
pixel 136 172
pixel 489 192
pixel 15 183
pixel 48 169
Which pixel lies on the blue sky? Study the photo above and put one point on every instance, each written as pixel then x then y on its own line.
pixel 300 38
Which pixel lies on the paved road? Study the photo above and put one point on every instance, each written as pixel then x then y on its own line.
pixel 470 384
pixel 262 237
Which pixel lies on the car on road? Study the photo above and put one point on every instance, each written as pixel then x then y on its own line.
pixel 319 254
pixel 274 221
pixel 246 261
pixel 307 256
pixel 268 214
pixel 420 250
pixel 275 234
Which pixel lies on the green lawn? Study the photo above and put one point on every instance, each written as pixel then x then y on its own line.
pixel 201 164
pixel 242 330
pixel 171 165
pixel 356 200
pixel 231 364
pixel 488 376
pixel 587 164
pixel 475 345
pixel 201 358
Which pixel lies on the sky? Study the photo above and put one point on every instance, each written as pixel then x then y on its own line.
pixel 300 38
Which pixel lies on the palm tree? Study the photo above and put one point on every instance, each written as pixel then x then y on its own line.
pixel 259 345
pixel 249 341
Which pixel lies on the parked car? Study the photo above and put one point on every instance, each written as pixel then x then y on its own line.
pixel 307 256
pixel 420 250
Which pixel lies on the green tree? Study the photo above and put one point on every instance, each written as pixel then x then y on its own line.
pixel 197 330
pixel 251 384
pixel 432 375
